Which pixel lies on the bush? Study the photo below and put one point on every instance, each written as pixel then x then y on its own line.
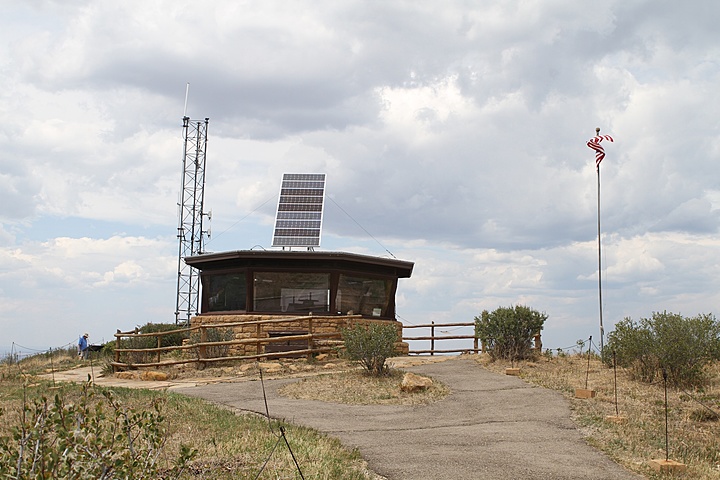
pixel 88 439
pixel 215 335
pixel 170 340
pixel 683 346
pixel 370 345
pixel 508 332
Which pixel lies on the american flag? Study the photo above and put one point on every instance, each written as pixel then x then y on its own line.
pixel 594 143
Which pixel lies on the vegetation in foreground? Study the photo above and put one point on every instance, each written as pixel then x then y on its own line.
pixel 694 424
pixel 183 438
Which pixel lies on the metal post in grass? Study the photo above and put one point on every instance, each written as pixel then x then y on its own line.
pixel 667 443
pixel 617 411
pixel 587 371
pixel 667 465
pixel 52 366
pixel 617 418
pixel 586 392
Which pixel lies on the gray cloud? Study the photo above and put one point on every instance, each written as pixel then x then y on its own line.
pixel 455 134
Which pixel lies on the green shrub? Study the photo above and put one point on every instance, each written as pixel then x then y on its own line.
pixel 370 345
pixel 508 332
pixel 683 346
pixel 215 335
pixel 91 438
pixel 170 340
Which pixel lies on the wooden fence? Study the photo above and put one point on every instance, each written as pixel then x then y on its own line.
pixel 198 352
pixel 433 338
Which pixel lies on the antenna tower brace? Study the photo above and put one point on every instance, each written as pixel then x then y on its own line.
pixel 190 222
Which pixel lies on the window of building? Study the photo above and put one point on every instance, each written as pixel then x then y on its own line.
pixel 226 292
pixel 291 292
pixel 366 296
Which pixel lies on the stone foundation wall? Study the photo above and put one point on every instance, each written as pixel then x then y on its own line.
pixel 320 324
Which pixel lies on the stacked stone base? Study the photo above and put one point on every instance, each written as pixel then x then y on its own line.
pixel 293 326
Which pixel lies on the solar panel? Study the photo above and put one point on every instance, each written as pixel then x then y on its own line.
pixel 298 221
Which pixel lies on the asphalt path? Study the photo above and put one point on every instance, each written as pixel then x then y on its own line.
pixel 490 426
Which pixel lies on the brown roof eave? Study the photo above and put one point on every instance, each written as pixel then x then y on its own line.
pixel 402 268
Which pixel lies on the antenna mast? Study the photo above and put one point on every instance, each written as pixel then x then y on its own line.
pixel 190 212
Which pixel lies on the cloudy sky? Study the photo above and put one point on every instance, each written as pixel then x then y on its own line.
pixel 453 134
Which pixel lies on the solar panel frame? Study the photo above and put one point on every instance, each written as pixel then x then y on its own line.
pixel 299 214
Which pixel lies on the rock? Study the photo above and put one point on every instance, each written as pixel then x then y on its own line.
pixel 154 376
pixel 329 366
pixel 415 383
pixel 271 367
pixel 246 367
pixel 322 357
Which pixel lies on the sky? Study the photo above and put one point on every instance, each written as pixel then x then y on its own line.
pixel 453 135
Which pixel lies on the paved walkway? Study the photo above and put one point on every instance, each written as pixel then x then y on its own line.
pixel 491 426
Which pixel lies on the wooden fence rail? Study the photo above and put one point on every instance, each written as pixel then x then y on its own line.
pixel 537 342
pixel 433 338
pixel 201 348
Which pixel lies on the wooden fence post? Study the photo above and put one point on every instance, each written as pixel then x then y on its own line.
pixel 258 331
pixel 311 343
pixel 538 342
pixel 432 340
pixel 159 344
pixel 202 350
pixel 117 354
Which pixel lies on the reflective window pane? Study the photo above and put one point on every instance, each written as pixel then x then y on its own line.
pixel 226 292
pixel 291 292
pixel 366 296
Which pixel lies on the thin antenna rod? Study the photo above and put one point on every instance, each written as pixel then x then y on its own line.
pixel 187 91
pixel 602 329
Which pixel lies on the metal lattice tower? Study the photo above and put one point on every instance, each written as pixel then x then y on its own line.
pixel 190 224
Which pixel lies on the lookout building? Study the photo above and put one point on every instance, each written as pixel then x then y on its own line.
pixel 246 285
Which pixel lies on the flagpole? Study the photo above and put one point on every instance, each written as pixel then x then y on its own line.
pixel 602 329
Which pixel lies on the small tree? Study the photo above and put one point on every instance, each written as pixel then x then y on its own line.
pixel 370 345
pixel 683 346
pixel 508 332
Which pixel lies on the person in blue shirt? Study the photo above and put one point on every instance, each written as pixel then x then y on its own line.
pixel 83 347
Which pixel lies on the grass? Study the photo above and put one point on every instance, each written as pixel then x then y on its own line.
pixel 357 387
pixel 230 446
pixel 693 425
pixel 235 446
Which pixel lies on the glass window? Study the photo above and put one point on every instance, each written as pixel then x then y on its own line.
pixel 291 292
pixel 226 292
pixel 366 296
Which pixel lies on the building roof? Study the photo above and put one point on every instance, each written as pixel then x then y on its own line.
pixel 301 259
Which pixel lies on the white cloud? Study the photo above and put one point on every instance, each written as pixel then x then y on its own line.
pixel 455 135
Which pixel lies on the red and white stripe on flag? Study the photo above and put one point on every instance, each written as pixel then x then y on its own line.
pixel 594 143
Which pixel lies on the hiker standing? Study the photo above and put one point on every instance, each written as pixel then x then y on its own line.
pixel 83 347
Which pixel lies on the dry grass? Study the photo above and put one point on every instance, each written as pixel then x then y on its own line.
pixel 229 445
pixel 694 430
pixel 232 446
pixel 356 387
